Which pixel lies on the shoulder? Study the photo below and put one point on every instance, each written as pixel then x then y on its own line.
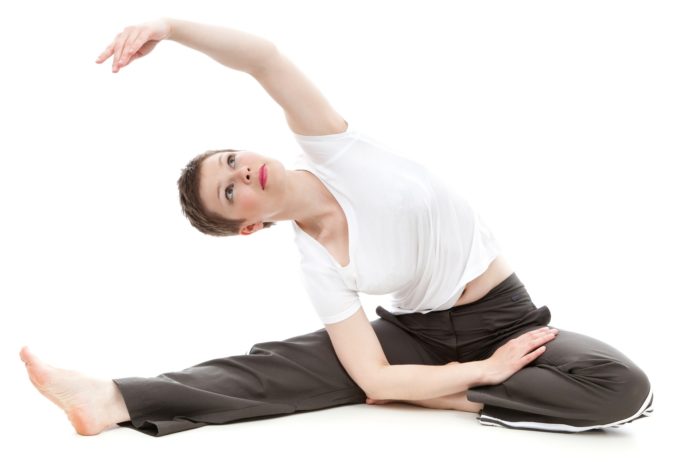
pixel 322 148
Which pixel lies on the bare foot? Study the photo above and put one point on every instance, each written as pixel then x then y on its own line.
pixel 92 405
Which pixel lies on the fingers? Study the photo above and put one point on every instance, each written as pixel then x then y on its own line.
pixel 546 333
pixel 132 47
pixel 134 42
pixel 541 332
pixel 115 48
pixel 532 356
pixel 535 337
pixel 106 54
pixel 126 45
pixel 120 42
pixel 542 337
pixel 531 344
pixel 520 352
pixel 371 401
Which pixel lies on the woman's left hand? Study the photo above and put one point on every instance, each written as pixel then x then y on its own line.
pixel 135 42
pixel 371 401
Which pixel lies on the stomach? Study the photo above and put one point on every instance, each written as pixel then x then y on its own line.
pixel 497 272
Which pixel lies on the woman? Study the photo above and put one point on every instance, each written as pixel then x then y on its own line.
pixel 460 333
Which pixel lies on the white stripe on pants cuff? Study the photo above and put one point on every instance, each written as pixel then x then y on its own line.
pixel 644 411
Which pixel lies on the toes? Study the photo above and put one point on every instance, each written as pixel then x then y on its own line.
pixel 28 357
pixel 25 355
pixel 38 372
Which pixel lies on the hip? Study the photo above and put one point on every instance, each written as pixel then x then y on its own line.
pixel 472 331
pixel 498 271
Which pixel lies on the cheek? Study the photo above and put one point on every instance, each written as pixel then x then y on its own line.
pixel 246 201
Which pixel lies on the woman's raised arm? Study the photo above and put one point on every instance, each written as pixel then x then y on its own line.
pixel 235 49
pixel 306 109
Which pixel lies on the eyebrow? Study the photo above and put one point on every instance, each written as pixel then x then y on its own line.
pixel 218 187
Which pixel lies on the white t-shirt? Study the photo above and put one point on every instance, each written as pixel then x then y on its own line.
pixel 409 235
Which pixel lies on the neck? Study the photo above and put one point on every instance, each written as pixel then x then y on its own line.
pixel 307 201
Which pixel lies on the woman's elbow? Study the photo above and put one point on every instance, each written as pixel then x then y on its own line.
pixel 375 392
pixel 377 386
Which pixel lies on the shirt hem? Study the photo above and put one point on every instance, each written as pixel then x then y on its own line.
pixel 349 130
pixel 342 316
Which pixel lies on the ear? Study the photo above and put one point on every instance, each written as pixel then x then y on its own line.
pixel 250 228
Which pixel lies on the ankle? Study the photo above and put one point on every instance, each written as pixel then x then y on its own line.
pixel 115 407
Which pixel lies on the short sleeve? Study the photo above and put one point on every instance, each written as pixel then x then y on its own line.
pixel 331 298
pixel 322 149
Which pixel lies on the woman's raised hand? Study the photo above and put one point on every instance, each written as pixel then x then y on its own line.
pixel 135 42
pixel 515 354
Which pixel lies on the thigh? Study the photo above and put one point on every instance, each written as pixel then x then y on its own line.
pixel 307 364
pixel 302 371
pixel 572 352
pixel 402 347
pixel 316 348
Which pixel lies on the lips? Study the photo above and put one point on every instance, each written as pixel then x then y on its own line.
pixel 262 176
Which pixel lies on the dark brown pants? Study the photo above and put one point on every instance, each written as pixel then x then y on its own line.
pixel 578 384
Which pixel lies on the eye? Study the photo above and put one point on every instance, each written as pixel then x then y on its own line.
pixel 229 190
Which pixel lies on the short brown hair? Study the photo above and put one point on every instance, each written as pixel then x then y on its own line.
pixel 192 206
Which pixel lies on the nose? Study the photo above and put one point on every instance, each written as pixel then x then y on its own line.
pixel 243 175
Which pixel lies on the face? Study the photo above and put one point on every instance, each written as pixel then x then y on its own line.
pixel 232 187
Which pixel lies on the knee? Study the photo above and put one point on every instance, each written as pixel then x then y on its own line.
pixel 261 348
pixel 628 395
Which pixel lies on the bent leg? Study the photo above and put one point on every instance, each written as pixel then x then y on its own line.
pixel 578 384
pixel 276 378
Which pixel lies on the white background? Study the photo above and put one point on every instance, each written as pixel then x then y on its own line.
pixel 572 127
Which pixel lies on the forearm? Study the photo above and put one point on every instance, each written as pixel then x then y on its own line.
pixel 420 382
pixel 235 49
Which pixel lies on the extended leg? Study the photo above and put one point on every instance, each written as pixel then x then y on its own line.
pixel 276 378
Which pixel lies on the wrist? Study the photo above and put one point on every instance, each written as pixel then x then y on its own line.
pixel 169 28
pixel 478 376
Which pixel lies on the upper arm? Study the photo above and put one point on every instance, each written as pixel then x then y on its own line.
pixel 358 349
pixel 307 111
